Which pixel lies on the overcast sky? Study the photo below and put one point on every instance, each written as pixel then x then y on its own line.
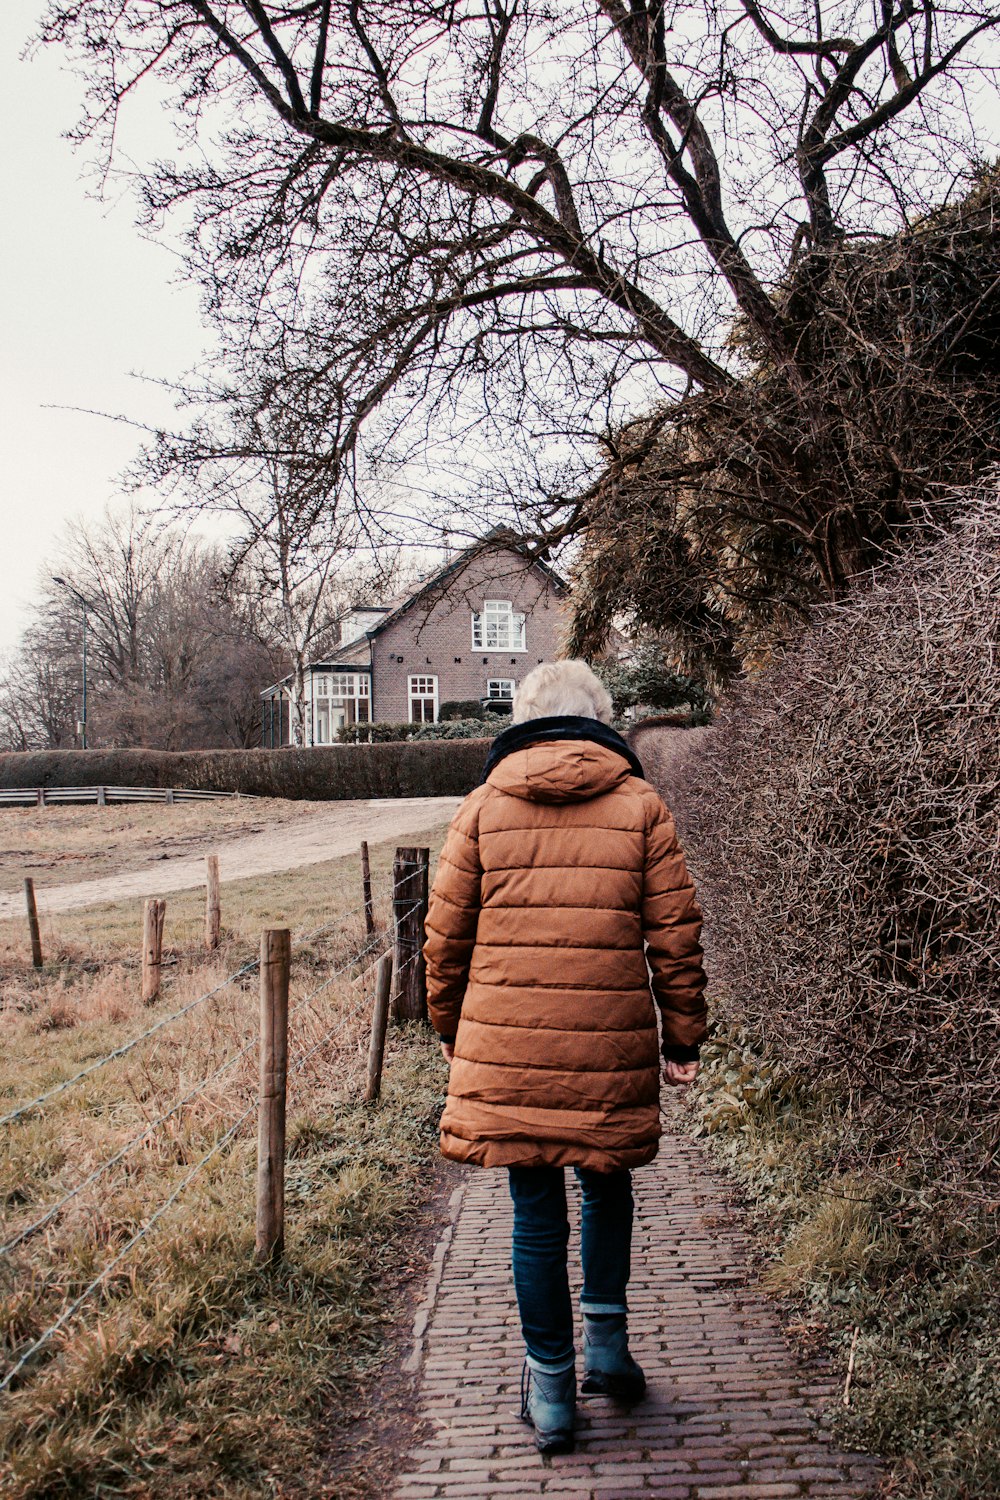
pixel 84 301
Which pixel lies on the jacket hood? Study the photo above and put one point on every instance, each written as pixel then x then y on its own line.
pixel 559 759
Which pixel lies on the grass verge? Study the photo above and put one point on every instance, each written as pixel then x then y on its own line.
pixel 190 1371
pixel 874 1258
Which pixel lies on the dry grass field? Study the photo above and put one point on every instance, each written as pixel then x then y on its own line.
pixel 189 1371
pixel 56 845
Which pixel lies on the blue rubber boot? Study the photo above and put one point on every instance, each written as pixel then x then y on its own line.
pixel 608 1367
pixel 548 1402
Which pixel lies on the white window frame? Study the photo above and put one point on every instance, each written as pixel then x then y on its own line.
pixel 416 694
pixel 344 685
pixel 500 610
pixel 501 683
pixel 336 690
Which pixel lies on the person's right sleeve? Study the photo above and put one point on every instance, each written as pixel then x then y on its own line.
pixel 671 921
pixel 452 919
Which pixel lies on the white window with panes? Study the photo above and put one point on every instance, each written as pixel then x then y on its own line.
pixel 423 700
pixel 498 627
pixel 341 685
pixel 339 698
pixel 500 687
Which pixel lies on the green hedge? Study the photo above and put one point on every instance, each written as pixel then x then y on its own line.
pixel 451 729
pixel 324 773
pixel 462 729
pixel 374 734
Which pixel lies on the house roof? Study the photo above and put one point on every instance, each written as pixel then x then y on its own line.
pixel 357 657
pixel 500 539
pixel 356 654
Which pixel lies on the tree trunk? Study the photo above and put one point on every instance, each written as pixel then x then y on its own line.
pixel 845 552
pixel 297 705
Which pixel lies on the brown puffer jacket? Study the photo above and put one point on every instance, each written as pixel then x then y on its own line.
pixel 552 874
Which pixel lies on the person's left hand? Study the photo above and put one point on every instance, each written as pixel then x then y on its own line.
pixel 448 1051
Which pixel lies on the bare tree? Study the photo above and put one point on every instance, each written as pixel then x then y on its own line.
pixel 522 220
pixel 270 461
pixel 40 696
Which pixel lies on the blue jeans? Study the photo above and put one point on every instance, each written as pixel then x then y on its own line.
pixel 541 1235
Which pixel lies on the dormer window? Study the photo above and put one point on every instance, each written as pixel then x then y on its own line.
pixel 496 627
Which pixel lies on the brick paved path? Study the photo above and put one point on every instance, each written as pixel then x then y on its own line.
pixel 730 1411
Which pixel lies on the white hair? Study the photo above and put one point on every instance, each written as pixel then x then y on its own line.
pixel 561 687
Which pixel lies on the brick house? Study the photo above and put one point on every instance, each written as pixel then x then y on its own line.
pixel 471 630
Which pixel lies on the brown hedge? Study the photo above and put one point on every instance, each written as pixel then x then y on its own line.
pixel 326 772
pixel 843 821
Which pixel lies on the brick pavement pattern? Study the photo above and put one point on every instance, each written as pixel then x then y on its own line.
pixel 731 1411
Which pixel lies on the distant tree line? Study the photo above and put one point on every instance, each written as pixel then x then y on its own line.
pixel 177 648
pixel 182 634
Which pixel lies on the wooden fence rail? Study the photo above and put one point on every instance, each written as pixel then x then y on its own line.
pixel 101 796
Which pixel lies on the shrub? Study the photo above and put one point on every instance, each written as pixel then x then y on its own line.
pixel 645 679
pixel 691 720
pixel 460 708
pixel 374 734
pixel 325 772
pixel 718 520
pixel 460 729
pixel 843 822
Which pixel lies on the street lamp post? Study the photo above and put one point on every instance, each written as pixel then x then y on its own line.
pixel 85 605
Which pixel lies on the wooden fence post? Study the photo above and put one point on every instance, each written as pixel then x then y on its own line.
pixel 102 796
pixel 36 937
pixel 409 904
pixel 213 905
pixel 40 796
pixel 366 886
pixel 424 856
pixel 275 963
pixel 152 949
pixel 380 1020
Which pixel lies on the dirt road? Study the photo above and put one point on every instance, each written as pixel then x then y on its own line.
pixel 335 829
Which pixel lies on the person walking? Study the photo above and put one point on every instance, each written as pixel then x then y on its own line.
pixel 561 909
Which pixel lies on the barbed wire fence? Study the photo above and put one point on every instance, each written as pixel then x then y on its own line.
pixel 392 953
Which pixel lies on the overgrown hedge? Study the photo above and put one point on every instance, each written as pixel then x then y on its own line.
pixel 326 772
pixel 843 819
pixel 843 823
